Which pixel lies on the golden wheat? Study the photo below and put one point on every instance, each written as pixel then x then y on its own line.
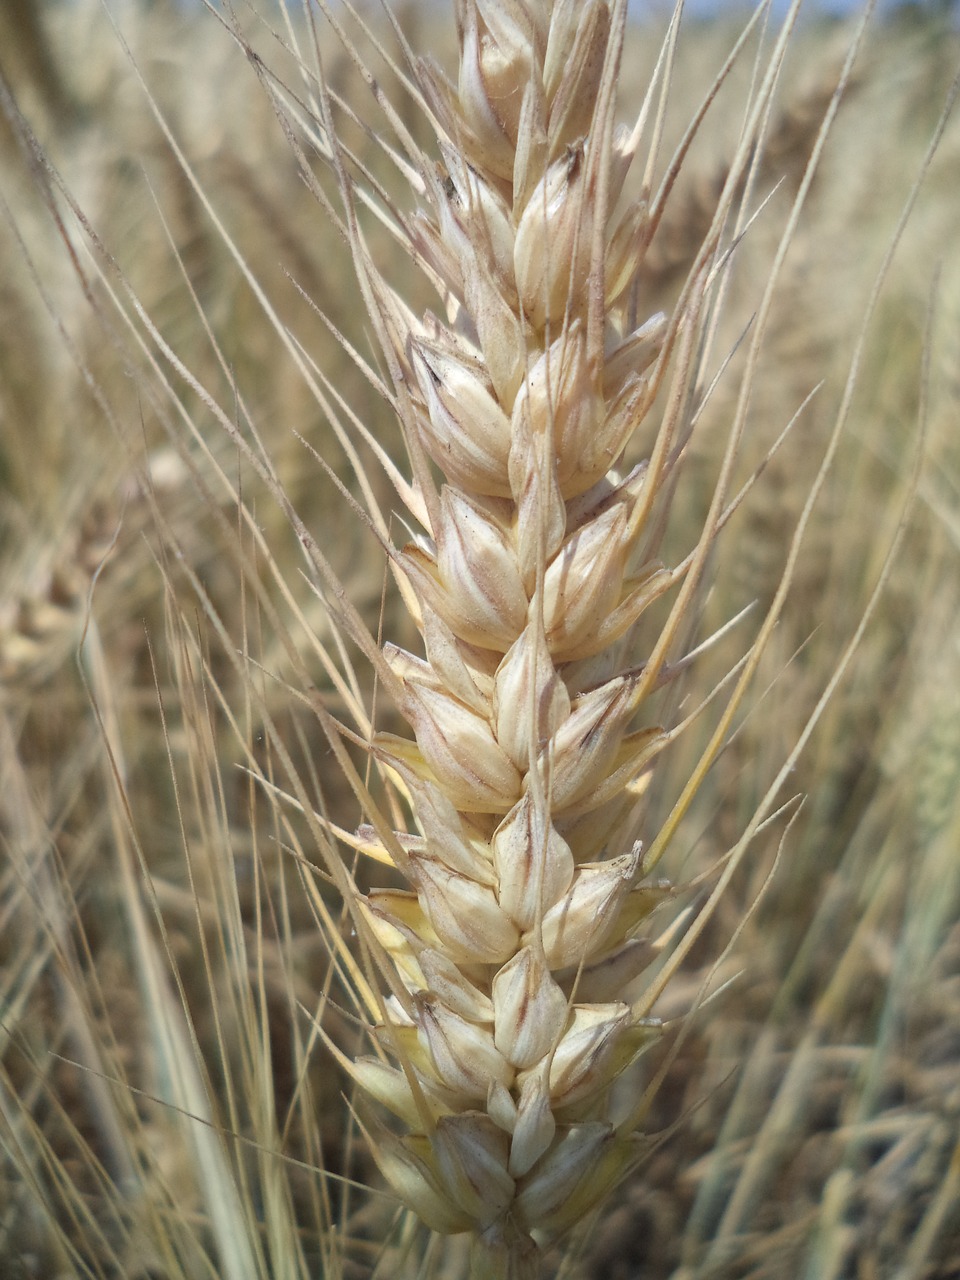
pixel 162 1107
pixel 558 415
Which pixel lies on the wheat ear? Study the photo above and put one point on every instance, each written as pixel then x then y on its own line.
pixel 509 954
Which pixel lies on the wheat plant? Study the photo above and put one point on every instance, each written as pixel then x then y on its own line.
pixel 360 672
pixel 518 958
pixel 513 954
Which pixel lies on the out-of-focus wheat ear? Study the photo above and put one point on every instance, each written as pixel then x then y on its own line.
pixel 41 627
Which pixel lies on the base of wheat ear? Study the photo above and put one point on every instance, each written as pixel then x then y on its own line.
pixel 503 1025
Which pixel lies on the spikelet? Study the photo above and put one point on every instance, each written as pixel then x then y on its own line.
pixel 518 932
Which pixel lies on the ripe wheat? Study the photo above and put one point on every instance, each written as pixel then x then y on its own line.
pixel 568 564
pixel 515 957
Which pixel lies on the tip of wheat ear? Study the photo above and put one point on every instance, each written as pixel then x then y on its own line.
pixel 515 939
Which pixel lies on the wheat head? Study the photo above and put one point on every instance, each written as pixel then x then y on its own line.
pixel 513 961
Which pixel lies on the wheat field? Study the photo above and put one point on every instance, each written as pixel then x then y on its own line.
pixel 213 567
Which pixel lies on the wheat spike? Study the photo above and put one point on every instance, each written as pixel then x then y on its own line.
pixel 517 936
